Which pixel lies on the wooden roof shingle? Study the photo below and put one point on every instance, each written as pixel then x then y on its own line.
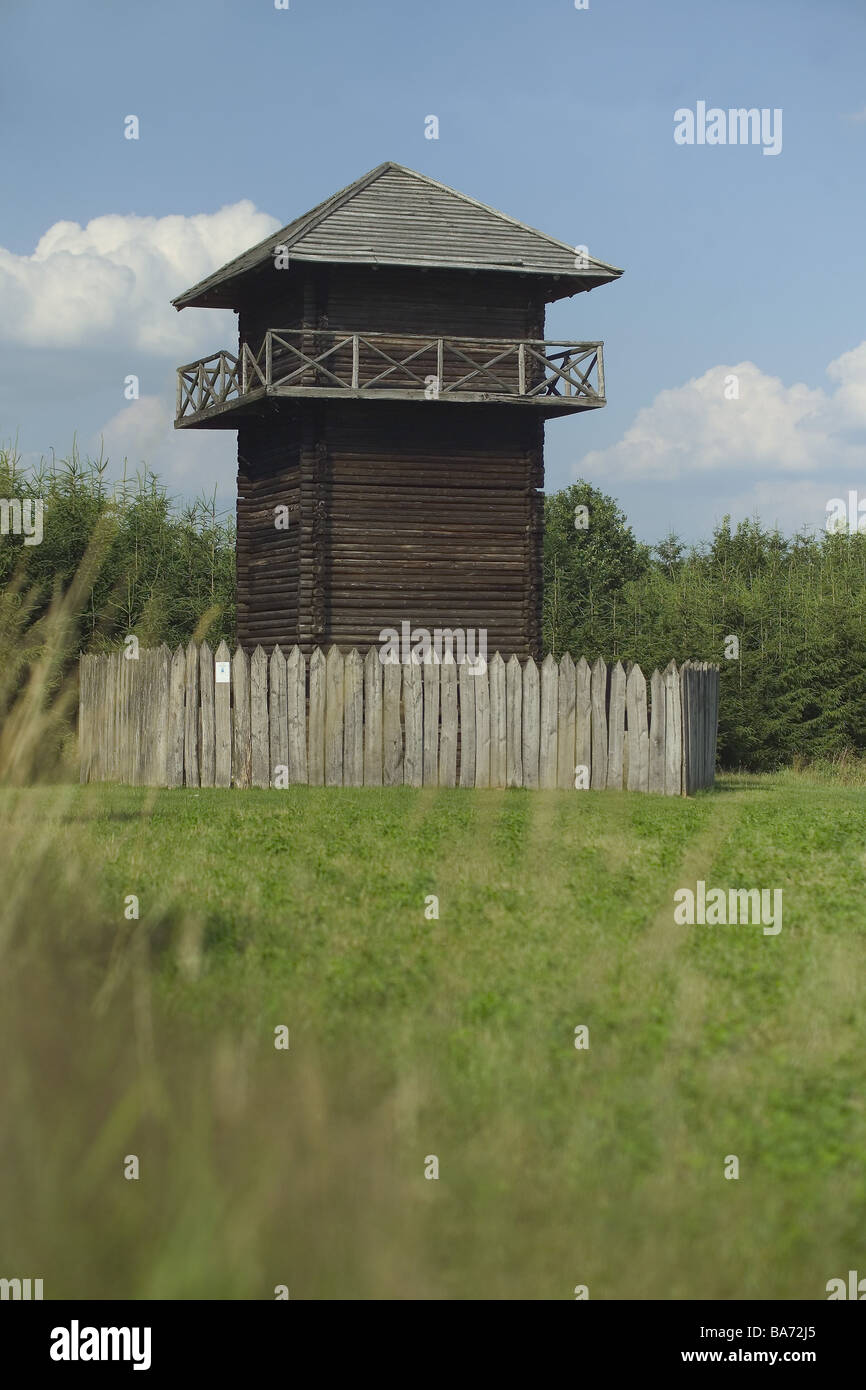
pixel 394 216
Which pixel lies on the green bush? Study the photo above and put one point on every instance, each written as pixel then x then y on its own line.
pixel 796 606
pixel 164 569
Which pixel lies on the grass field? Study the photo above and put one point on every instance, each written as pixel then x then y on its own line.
pixel 412 1037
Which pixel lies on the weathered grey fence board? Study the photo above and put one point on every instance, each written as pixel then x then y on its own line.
pixel 152 770
pixel 392 733
pixel 448 717
pixel 714 721
pixel 160 732
pixel 162 719
pixel 482 724
pixel 690 728
pixel 565 751
pixel 85 711
pixel 296 709
pixel 703 727
pixel 316 748
pixel 334 698
pixel 466 688
pixel 107 719
pixel 122 675
pixel 431 721
pixel 260 752
pixel 710 681
pixel 353 720
pixel 207 729
pixel 87 715
pixel 114 702
pixel 144 758
pixel 658 724
pixel 616 728
pixel 123 752
pixel 691 732
pixel 132 704
pixel 694 680
pixel 174 767
pixel 583 722
pixel 153 766
pixel 139 714
pixel 222 704
pixel 548 729
pixel 598 699
pixel 498 723
pixel 673 731
pixel 531 720
pixel 112 718
pixel 145 705
pixel 241 726
pixel 190 730
pixel 413 720
pixel 638 731
pixel 118 677
pixel 278 716
pixel 113 766
pixel 372 719
pixel 121 671
pixel 514 723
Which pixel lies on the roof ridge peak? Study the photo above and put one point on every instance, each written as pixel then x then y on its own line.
pixel 407 248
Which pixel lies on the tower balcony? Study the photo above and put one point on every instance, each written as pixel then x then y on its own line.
pixel 556 378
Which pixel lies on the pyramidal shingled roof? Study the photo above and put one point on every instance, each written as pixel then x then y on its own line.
pixel 395 216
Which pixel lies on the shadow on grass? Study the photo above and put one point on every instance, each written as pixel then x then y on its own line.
pixel 745 782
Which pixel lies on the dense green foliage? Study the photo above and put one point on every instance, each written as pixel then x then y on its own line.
pixel 796 606
pixel 162 568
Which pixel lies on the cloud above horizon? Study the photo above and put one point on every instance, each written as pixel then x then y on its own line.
pixel 110 282
pixel 703 428
pixel 105 288
pixel 142 433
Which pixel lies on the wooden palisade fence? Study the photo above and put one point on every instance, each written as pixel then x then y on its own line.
pixel 203 719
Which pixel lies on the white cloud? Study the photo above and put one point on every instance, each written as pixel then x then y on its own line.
pixel 849 400
pixel 110 283
pixel 694 429
pixel 143 433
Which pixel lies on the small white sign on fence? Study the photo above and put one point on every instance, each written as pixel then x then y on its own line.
pixel 222 669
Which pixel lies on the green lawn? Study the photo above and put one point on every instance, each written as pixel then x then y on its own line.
pixel 412 1037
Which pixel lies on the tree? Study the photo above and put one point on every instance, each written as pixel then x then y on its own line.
pixel 590 554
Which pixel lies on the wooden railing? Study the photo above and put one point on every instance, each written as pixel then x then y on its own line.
pixel 298 361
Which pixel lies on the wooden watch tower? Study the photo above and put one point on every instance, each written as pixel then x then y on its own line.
pixel 390 389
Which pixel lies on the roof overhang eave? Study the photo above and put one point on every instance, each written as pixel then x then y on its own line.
pixel 219 294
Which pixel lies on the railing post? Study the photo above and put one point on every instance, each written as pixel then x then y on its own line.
pixel 521 369
pixel 243 369
pixel 356 361
pixel 269 343
pixel 600 366
pixel 179 397
pixel 440 364
pixel 200 384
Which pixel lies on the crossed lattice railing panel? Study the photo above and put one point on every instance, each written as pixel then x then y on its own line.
pixel 298 360
pixel 219 379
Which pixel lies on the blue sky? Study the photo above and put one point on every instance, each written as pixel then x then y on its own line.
pixel 735 262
